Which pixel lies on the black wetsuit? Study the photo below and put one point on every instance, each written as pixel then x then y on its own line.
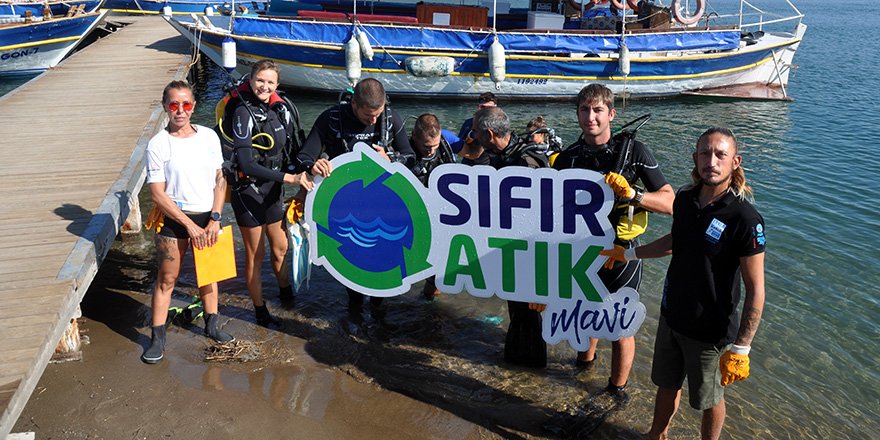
pixel 641 166
pixel 524 344
pixel 424 165
pixel 256 198
pixel 338 129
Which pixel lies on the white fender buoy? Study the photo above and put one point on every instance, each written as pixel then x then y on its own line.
pixel 623 60
pixel 166 11
pixel 429 66
pixel 229 56
pixel 681 15
pixel 364 43
pixel 209 10
pixel 497 67
pixel 352 60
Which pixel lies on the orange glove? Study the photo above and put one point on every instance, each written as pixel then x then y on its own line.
pixel 537 306
pixel 620 186
pixel 619 253
pixel 734 365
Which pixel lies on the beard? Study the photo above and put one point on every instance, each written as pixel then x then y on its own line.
pixel 720 182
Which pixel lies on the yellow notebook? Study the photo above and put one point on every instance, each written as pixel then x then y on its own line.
pixel 216 263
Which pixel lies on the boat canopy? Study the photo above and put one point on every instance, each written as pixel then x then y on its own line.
pixel 411 37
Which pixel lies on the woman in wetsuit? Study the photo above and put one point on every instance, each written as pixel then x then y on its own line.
pixel 188 189
pixel 260 130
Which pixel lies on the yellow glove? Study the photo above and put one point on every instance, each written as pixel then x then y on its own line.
pixel 619 185
pixel 734 366
pixel 295 211
pixel 155 219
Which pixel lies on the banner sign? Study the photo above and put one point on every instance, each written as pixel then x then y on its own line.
pixel 521 234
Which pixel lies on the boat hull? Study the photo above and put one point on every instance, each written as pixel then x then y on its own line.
pixel 320 65
pixel 154 7
pixel 30 48
pixel 57 7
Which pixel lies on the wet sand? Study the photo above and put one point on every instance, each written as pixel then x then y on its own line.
pixel 337 376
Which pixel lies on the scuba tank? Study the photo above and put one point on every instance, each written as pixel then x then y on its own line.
pixel 625 139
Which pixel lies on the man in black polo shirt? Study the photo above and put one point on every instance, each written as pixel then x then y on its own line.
pixel 717 238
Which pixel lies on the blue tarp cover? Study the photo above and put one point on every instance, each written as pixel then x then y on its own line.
pixel 457 40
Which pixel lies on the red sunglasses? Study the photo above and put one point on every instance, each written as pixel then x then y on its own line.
pixel 174 106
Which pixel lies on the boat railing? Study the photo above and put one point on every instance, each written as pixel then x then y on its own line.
pixel 761 14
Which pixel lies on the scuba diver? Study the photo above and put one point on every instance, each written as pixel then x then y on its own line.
pixel 362 116
pixel 432 146
pixel 545 137
pixel 624 161
pixel 524 344
pixel 261 134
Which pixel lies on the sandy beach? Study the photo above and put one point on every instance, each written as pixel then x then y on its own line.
pixel 311 378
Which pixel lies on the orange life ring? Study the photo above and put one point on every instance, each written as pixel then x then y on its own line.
pixel 633 5
pixel 687 20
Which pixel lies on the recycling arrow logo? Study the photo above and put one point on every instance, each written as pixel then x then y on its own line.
pixel 373 230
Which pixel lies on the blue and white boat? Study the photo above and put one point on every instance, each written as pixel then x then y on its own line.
pixel 669 50
pixel 58 7
pixel 184 7
pixel 34 45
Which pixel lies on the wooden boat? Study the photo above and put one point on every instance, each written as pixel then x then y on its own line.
pixel 454 51
pixel 34 44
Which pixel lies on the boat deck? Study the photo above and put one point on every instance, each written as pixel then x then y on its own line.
pixel 72 157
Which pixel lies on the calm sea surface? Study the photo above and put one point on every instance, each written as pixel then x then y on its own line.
pixel 813 165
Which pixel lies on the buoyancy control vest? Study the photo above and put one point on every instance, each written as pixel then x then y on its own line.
pixel 522 149
pixel 610 157
pixel 268 156
pixel 342 134
pixel 425 165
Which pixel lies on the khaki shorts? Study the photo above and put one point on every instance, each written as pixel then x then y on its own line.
pixel 677 356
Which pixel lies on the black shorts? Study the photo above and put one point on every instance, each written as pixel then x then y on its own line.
pixel 257 205
pixel 176 230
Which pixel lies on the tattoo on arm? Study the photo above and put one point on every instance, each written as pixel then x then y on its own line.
pixel 748 326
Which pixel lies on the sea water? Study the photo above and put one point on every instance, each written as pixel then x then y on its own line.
pixel 814 168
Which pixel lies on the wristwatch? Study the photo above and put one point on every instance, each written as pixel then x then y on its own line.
pixel 637 198
pixel 215 216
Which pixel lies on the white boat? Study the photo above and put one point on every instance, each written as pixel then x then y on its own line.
pixel 32 45
pixel 664 52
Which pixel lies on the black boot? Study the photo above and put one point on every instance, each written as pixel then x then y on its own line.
pixel 617 391
pixel 156 351
pixel 285 294
pixel 264 318
pixel 213 331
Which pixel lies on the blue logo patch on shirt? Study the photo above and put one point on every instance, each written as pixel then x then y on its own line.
pixel 713 233
pixel 759 234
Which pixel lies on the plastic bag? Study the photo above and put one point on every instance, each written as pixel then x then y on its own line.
pixel 300 265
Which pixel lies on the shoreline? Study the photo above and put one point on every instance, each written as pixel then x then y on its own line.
pixel 343 378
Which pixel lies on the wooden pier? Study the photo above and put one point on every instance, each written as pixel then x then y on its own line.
pixel 72 161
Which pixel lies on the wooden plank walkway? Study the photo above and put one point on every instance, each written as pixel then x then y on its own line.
pixel 71 164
